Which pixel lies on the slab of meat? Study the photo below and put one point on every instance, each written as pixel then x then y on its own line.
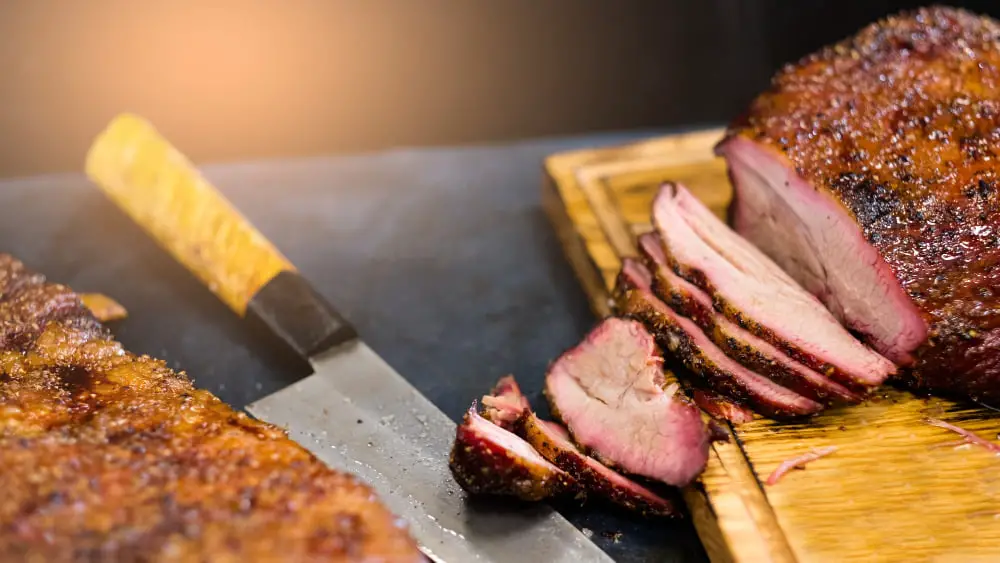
pixel 109 456
pixel 755 353
pixel 869 172
pixel 756 294
pixel 554 443
pixel 700 355
pixel 609 393
pixel 505 403
pixel 488 460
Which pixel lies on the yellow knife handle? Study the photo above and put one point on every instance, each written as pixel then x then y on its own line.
pixel 165 194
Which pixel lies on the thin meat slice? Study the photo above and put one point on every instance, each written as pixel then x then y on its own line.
pixel 699 354
pixel 554 443
pixel 720 407
pixel 505 403
pixel 814 238
pixel 755 353
pixel 753 292
pixel 488 460
pixel 609 392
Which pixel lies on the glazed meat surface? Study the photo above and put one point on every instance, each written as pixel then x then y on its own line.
pixel 868 171
pixel 109 456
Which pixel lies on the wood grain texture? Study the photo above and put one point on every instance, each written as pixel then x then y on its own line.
pixel 897 489
pixel 162 191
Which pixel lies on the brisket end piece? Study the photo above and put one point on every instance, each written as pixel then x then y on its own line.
pixel 609 392
pixel 488 460
pixel 869 172
pixel 111 456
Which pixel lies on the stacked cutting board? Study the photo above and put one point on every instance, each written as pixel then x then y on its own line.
pixel 896 489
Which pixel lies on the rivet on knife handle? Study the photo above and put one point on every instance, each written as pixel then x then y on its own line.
pixel 162 191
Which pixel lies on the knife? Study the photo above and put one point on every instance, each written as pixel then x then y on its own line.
pixel 355 412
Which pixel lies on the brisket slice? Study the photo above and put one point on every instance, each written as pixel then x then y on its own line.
pixel 609 392
pixel 869 172
pixel 754 353
pixel 110 456
pixel 505 403
pixel 488 460
pixel 700 355
pixel 554 443
pixel 720 407
pixel 756 294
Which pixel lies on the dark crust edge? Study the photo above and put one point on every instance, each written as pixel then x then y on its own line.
pixel 589 480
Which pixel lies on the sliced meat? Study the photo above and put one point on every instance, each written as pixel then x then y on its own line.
pixel 869 172
pixel 721 408
pixel 814 238
pixel 488 460
pixel 505 403
pixel 553 442
pixel 609 393
pixel 754 353
pixel 756 294
pixel 699 354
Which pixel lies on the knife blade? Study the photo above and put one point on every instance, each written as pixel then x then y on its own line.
pixel 355 412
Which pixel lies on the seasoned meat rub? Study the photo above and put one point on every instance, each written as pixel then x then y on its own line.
pixel 754 353
pixel 682 338
pixel 553 442
pixel 109 456
pixel 753 292
pixel 488 460
pixel 869 172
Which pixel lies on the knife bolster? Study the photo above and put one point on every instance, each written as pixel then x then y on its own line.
pixel 290 307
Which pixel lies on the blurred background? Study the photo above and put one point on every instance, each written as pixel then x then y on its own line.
pixel 244 79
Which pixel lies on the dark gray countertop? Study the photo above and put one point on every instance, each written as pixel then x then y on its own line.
pixel 442 258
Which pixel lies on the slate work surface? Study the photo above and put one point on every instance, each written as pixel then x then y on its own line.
pixel 442 258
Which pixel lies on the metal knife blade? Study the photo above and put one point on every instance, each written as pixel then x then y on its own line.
pixel 400 447
pixel 358 414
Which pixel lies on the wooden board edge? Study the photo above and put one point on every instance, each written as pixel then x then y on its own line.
pixel 593 281
pixel 574 247
pixel 719 539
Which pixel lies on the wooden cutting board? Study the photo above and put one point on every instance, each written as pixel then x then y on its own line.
pixel 896 489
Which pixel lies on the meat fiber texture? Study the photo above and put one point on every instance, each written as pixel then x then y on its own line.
pixel 109 456
pixel 754 293
pixel 868 171
pixel 752 352
pixel 687 343
pixel 609 392
pixel 505 403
